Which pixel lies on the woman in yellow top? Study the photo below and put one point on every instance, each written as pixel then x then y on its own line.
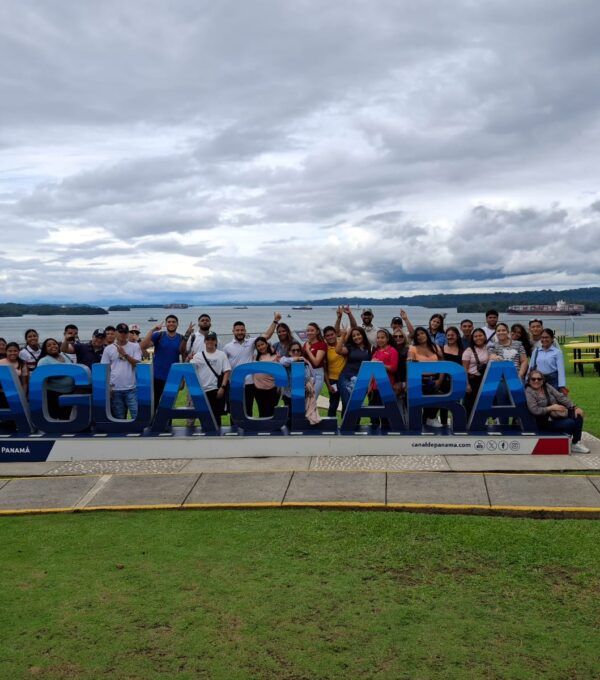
pixel 334 364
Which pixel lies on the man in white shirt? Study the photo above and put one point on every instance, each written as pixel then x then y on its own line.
pixel 212 367
pixel 193 343
pixel 241 350
pixel 367 323
pixel 123 356
pixel 491 320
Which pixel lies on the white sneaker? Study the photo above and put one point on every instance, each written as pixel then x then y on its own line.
pixel 579 448
pixel 433 422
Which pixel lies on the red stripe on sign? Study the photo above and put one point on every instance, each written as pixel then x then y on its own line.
pixel 558 446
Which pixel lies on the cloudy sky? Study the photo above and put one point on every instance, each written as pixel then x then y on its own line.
pixel 266 150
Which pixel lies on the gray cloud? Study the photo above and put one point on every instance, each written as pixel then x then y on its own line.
pixel 446 145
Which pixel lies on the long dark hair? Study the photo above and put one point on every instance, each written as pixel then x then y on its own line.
pixel 44 352
pixel 524 339
pixel 287 329
pixel 472 344
pixel 455 330
pixel 317 328
pixel 350 344
pixel 294 343
pixel 428 341
pixel 439 316
pixel 262 338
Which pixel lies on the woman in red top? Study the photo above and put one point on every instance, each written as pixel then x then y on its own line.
pixel 388 355
pixel 315 350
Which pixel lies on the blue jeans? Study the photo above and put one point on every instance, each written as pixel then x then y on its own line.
pixel 123 400
pixel 572 426
pixel 346 386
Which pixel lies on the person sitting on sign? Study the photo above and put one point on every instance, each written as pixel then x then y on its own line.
pixel 296 353
pixel 553 411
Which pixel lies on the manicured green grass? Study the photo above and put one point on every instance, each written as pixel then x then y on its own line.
pixel 584 391
pixel 298 594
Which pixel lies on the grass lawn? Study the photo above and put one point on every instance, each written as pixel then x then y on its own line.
pixel 298 594
pixel 584 391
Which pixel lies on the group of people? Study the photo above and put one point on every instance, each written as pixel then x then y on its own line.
pixel 331 356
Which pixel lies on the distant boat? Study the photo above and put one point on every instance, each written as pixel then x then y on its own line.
pixel 302 307
pixel 152 319
pixel 244 307
pixel 561 308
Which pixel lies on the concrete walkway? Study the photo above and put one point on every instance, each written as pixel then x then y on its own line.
pixel 526 494
pixel 481 484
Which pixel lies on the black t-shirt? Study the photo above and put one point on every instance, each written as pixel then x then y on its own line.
pixel 87 355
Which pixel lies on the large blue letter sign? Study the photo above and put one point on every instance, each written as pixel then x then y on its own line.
pixel 101 400
pixel 166 407
pixel 499 372
pixel 38 402
pixel 238 412
pixel 18 409
pixel 388 409
pixel 299 420
pixel 417 400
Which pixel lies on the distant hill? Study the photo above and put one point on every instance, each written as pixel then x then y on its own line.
pixel 471 302
pixel 16 309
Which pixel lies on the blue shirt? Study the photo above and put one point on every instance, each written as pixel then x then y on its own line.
pixel 166 352
pixel 549 361
pixel 61 384
pixel 438 338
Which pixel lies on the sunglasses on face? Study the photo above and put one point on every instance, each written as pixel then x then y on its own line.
pixel 295 351
pixel 135 332
pixel 536 379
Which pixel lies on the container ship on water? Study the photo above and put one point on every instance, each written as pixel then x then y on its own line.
pixel 561 308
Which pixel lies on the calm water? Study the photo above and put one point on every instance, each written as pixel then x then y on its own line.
pixel 258 318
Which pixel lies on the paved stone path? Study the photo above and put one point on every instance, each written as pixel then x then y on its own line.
pixel 538 495
pixel 495 483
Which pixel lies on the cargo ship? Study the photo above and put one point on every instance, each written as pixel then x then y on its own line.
pixel 561 308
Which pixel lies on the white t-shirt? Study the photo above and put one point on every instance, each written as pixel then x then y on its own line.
pixel 219 362
pixel 490 334
pixel 122 373
pixel 196 346
pixel 241 353
pixel 30 356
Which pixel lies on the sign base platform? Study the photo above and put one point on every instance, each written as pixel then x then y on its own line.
pixel 183 442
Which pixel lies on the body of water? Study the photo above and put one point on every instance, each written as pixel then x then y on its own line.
pixel 257 320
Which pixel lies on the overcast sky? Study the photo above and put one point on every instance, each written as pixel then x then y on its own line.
pixel 267 150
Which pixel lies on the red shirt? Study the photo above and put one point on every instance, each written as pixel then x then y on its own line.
pixel 315 347
pixel 389 357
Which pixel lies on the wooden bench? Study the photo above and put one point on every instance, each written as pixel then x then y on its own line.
pixel 580 363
